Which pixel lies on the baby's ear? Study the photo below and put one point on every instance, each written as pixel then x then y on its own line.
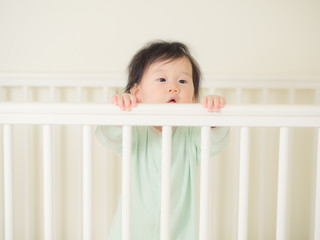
pixel 135 91
pixel 194 99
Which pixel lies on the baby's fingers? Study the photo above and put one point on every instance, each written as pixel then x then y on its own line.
pixel 124 101
pixel 219 102
pixel 207 102
pixel 222 102
pixel 213 102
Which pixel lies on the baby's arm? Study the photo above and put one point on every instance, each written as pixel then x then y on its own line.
pixel 213 102
pixel 125 101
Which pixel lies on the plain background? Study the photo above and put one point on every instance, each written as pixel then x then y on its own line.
pixel 228 38
pixel 268 37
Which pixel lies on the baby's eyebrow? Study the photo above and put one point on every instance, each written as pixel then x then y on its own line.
pixel 186 73
pixel 162 71
pixel 158 71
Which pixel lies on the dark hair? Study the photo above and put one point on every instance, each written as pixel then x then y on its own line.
pixel 160 51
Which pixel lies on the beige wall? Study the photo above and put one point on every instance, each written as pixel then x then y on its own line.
pixel 227 37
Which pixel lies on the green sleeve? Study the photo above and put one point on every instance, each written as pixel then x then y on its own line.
pixel 219 139
pixel 111 137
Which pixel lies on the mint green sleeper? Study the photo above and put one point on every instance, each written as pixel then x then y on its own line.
pixel 146 179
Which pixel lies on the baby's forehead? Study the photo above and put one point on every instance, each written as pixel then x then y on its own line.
pixel 163 64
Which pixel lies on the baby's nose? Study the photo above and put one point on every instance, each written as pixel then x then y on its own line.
pixel 173 89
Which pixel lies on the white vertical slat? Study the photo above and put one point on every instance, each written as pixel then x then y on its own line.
pixel 263 165
pixel 105 94
pixel 239 95
pixel 8 182
pixel 126 181
pixel 315 217
pixel 80 222
pixel 204 184
pixel 317 197
pixel 2 94
pixel 52 94
pixel 212 230
pixel 27 164
pixel 165 182
pixel 26 93
pixel 1 187
pixel 243 183
pixel 108 165
pixel 265 95
pixel 212 91
pixel 317 96
pixel 80 94
pixel 282 183
pixel 315 156
pixel 47 182
pixel 87 181
pixel 55 155
pixel 292 95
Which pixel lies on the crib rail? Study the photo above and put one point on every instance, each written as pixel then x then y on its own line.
pixel 168 115
pixel 160 115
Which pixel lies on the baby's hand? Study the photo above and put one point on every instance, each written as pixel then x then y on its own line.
pixel 125 101
pixel 213 102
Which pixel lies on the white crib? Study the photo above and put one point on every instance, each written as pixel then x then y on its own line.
pixel 259 210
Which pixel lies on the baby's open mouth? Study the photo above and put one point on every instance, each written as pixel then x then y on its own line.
pixel 172 101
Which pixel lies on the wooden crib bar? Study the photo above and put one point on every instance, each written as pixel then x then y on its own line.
pixel 126 181
pixel 8 183
pixel 245 116
pixel 317 197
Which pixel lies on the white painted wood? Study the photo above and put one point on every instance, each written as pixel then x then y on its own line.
pixel 53 91
pixel 212 91
pixel 263 165
pixel 48 182
pixel 157 114
pixel 26 94
pixel 1 186
pixel 317 195
pixel 80 96
pixel 316 154
pixel 106 94
pixel 87 182
pixel 126 181
pixel 239 93
pixel 242 116
pixel 27 163
pixel 204 183
pixel 2 94
pixel 165 183
pixel 317 96
pixel 292 95
pixel 282 184
pixel 265 95
pixel 244 172
pixel 8 182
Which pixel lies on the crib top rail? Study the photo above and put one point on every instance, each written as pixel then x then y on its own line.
pixel 160 115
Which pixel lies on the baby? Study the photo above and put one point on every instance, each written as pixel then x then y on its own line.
pixel 163 72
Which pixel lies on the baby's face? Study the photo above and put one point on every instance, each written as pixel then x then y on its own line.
pixel 166 82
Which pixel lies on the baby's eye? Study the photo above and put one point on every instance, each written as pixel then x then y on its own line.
pixel 182 81
pixel 161 79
